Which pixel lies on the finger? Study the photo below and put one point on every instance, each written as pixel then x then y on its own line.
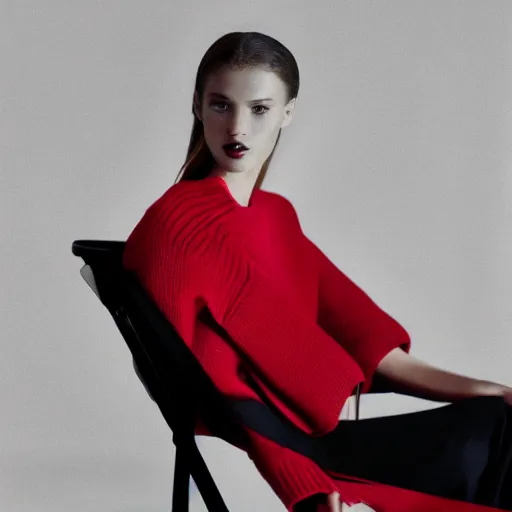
pixel 358 507
pixel 334 502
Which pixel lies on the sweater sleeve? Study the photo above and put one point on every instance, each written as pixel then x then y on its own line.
pixel 297 359
pixel 350 316
pixel 292 476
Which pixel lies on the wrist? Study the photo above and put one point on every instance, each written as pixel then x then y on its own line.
pixel 488 388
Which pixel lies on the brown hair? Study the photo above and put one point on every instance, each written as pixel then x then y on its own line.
pixel 237 50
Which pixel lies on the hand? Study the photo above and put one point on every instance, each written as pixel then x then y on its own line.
pixel 487 388
pixel 507 396
pixel 334 504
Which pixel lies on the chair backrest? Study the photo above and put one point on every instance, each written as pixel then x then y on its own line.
pixel 165 365
pixel 167 368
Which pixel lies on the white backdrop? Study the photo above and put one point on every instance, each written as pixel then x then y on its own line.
pixel 398 162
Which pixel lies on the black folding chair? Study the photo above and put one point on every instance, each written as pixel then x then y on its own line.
pixel 169 371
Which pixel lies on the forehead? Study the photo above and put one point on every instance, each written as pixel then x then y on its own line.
pixel 246 84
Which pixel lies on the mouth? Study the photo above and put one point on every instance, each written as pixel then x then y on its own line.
pixel 235 149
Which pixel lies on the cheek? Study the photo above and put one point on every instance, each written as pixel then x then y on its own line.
pixel 214 136
pixel 267 127
pixel 212 125
pixel 269 133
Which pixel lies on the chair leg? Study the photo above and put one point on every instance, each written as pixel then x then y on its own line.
pixel 181 486
pixel 189 462
pixel 205 483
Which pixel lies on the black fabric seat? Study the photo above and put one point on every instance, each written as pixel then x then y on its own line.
pixel 170 373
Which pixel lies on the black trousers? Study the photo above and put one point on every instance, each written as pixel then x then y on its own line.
pixel 462 451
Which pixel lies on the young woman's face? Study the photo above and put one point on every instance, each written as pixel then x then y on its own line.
pixel 249 106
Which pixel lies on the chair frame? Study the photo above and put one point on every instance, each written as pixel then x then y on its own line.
pixel 163 366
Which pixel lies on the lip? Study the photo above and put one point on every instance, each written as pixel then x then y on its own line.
pixel 245 148
pixel 235 154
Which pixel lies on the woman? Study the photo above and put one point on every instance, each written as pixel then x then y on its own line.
pixel 270 317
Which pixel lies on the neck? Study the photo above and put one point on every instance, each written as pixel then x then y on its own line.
pixel 240 184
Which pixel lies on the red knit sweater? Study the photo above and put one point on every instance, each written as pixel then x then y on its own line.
pixel 295 323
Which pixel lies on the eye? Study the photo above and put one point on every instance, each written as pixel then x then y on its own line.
pixel 217 103
pixel 265 109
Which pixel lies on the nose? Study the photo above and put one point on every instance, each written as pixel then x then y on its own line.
pixel 237 123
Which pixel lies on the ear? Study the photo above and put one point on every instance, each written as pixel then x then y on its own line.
pixel 288 113
pixel 196 108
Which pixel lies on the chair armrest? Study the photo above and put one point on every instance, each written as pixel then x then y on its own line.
pixel 381 384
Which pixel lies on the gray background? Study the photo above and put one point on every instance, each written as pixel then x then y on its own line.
pixel 398 162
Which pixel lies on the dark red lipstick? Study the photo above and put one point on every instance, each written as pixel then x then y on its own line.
pixel 235 149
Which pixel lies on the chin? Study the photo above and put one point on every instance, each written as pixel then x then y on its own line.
pixel 237 170
pixel 243 165
pixel 234 166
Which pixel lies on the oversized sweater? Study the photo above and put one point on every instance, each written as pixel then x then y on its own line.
pixel 288 317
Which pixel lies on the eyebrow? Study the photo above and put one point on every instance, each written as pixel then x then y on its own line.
pixel 218 95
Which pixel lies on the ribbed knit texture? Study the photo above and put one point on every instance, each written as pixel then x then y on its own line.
pixel 252 269
pixel 292 476
pixel 252 295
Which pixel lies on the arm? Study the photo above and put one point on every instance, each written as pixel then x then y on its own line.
pixel 350 316
pixel 297 481
pixel 381 345
pixel 411 376
pixel 187 270
pixel 183 278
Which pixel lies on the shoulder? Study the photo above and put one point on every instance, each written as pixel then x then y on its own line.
pixel 188 198
pixel 187 214
pixel 275 197
pixel 277 200
pixel 282 206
